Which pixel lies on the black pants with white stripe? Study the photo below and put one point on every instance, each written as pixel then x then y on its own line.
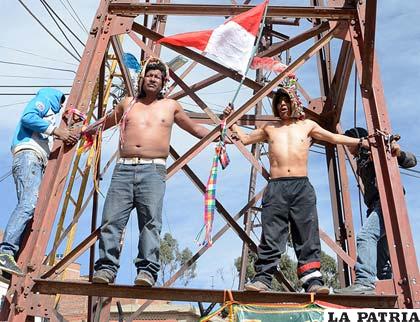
pixel 289 200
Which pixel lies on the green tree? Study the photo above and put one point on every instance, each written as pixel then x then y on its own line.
pixel 288 267
pixel 171 259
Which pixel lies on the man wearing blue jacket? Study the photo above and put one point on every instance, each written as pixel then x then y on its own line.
pixel 31 148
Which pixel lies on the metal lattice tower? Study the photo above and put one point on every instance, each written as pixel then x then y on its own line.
pixel 351 23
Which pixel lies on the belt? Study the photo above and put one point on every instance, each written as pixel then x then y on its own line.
pixel 137 160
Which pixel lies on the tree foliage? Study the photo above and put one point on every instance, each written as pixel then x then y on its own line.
pixel 171 259
pixel 288 267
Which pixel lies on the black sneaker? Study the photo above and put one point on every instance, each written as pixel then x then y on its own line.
pixel 144 279
pixel 103 276
pixel 9 265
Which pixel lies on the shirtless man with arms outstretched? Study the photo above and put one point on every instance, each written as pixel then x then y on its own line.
pixel 138 180
pixel 289 197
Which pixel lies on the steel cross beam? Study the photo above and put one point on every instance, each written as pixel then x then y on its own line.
pixel 210 296
pixel 134 9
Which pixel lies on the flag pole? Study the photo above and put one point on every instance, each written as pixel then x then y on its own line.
pixel 254 50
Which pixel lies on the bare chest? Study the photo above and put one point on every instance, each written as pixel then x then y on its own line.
pixel 150 117
pixel 289 135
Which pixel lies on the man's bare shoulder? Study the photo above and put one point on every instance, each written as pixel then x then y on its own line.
pixel 308 123
pixel 271 124
pixel 169 101
pixel 126 101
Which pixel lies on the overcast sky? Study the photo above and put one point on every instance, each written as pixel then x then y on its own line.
pixel 398 49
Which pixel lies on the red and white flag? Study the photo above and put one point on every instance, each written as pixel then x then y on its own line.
pixel 232 43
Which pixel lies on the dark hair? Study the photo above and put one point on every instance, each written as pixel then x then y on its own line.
pixel 356 132
pixel 158 65
pixel 276 99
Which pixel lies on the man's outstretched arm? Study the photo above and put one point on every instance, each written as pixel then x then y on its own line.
pixel 255 136
pixel 321 134
pixel 110 119
pixel 184 122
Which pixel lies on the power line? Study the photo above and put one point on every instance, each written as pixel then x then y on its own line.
pixel 30 86
pixel 78 20
pixel 12 104
pixel 38 66
pixel 46 29
pixel 22 94
pixel 34 77
pixel 47 6
pixel 33 54
pixel 61 30
pixel 5 176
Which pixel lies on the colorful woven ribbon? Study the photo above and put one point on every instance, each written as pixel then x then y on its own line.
pixel 210 195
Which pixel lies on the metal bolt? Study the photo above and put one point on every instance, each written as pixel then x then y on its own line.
pixel 402 282
pixel 20 309
pixel 31 267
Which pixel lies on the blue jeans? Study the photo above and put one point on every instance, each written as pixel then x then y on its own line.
pixel 27 170
pixel 142 187
pixel 372 250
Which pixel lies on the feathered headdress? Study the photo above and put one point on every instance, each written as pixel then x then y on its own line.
pixel 289 87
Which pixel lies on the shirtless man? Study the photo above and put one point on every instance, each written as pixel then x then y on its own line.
pixel 138 180
pixel 289 197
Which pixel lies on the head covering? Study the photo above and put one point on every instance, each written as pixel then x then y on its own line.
pixel 153 63
pixel 288 88
pixel 357 132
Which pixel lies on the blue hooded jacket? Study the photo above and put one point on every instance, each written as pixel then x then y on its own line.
pixel 37 122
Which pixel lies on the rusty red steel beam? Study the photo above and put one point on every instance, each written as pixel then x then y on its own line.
pixel 199 85
pixel 337 212
pixel 340 81
pixel 273 50
pixel 347 210
pixel 394 209
pixel 369 43
pixel 338 250
pixel 279 47
pixel 118 50
pixel 209 296
pixel 135 9
pixel 235 116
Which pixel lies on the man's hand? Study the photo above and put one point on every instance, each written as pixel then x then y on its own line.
pixel 395 149
pixel 68 137
pixel 364 143
pixel 227 111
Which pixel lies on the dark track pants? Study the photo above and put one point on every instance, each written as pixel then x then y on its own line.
pixel 289 200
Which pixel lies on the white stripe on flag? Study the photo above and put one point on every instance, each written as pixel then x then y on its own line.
pixel 232 45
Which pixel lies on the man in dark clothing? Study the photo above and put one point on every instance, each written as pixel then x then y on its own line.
pixel 372 248
pixel 289 196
